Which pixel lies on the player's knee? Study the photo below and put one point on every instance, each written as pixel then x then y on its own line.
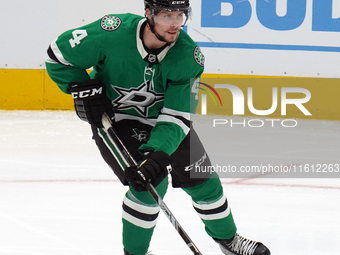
pixel 210 190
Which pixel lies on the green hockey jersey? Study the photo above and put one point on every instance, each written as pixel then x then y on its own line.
pixel 159 89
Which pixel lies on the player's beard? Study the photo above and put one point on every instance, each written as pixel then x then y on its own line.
pixel 167 37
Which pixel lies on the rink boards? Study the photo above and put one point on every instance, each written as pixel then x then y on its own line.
pixel 27 89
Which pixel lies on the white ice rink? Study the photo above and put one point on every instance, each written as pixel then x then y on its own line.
pixel 58 197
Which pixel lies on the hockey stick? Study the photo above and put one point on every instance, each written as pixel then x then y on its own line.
pixel 106 121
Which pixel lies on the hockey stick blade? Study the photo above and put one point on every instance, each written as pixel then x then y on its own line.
pixel 107 123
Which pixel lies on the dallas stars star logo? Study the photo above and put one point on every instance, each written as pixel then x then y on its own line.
pixel 140 99
pixel 140 135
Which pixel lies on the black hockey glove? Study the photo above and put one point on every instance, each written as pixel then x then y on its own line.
pixel 155 167
pixel 90 101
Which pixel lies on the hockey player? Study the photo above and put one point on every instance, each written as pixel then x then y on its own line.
pixel 144 72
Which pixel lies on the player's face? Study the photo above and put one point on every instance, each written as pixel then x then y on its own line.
pixel 168 24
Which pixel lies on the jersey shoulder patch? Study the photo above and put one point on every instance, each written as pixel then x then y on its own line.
pixel 110 23
pixel 199 57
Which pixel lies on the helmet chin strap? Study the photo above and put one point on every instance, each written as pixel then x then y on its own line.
pixel 152 29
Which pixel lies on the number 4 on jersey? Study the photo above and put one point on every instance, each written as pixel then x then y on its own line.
pixel 77 36
pixel 195 87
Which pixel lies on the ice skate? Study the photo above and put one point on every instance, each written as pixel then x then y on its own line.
pixel 242 246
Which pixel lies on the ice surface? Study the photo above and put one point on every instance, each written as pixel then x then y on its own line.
pixel 57 196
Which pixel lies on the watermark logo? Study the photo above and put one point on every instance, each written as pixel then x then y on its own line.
pixel 240 100
pixel 204 97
